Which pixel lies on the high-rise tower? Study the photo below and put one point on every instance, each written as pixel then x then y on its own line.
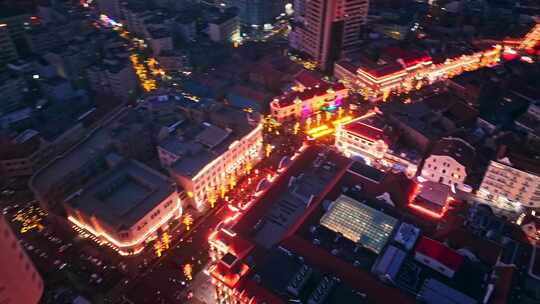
pixel 328 27
pixel 20 283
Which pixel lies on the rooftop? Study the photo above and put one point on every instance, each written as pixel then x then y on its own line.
pixel 320 89
pixel 92 145
pixel 360 223
pixel 457 148
pixel 392 60
pixel 440 252
pixel 123 195
pixel 370 126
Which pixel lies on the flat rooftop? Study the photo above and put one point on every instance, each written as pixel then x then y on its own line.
pixel 94 143
pixel 123 195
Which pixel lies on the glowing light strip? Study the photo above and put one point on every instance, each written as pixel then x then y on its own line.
pixel 228 232
pixel 427 211
pixel 317 129
pixel 217 159
pixel 121 244
pixel 342 120
pixel 321 134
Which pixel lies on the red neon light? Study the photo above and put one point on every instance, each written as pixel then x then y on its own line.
pixel 120 244
pixel 427 211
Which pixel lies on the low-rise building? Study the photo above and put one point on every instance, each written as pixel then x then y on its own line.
pixel 431 199
pixel 370 138
pixel 449 162
pixel 306 99
pixel 125 206
pixel 207 158
pixel 20 281
pixel 382 76
pixel 8 52
pixel 12 88
pixel 438 256
pixel 512 181
pixel 21 155
pixel 113 77
pixel 225 28
pixel 160 40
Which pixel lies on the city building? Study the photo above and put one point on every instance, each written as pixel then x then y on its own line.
pixel 160 40
pixel 324 224
pixel 257 13
pixel 438 256
pixel 124 207
pixel 207 157
pixel 449 162
pixel 434 292
pixel 329 28
pixel 16 20
pixel 42 39
pixel 111 8
pixel 123 130
pixel 113 76
pixel 185 26
pixel 511 181
pixel 307 98
pixel 389 263
pixel 174 61
pixel 211 162
pixel 225 27
pixel 12 88
pixel 432 199
pixel 423 123
pixel 374 141
pixel 359 223
pixel 386 74
pixel 8 52
pixel 398 71
pixel 21 155
pixel 20 282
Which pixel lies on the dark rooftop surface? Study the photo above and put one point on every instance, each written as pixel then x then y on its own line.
pixel 123 195
pixel 367 171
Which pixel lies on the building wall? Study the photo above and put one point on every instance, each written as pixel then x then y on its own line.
pixel 121 83
pixel 434 264
pixel 445 170
pixel 12 90
pixel 161 44
pixel 225 32
pixel 351 144
pixel 20 283
pixel 503 183
pixel 304 108
pixel 131 240
pixel 329 27
pixel 8 52
pixel 216 175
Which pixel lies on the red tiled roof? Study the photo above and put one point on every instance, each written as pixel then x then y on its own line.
pixel 307 79
pixel 439 252
pixel 486 250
